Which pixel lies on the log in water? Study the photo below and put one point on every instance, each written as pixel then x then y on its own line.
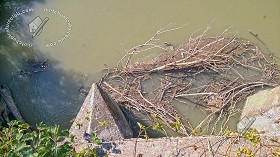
pixel 5 92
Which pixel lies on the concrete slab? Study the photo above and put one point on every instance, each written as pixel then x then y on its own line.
pixel 188 147
pixel 98 108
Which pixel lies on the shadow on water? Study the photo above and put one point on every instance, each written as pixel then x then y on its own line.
pixel 51 95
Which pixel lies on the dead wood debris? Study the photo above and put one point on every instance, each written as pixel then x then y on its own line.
pixel 212 71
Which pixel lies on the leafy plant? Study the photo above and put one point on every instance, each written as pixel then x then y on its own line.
pixel 253 136
pixel 143 129
pixel 72 120
pixel 48 141
pixel 79 125
pixel 94 139
pixel 154 115
pixel 177 125
pixel 157 126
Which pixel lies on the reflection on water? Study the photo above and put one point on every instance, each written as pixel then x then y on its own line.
pixel 102 30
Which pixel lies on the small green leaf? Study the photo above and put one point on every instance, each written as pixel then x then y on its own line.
pixel 72 137
pixel 154 115
pixel 140 125
pixel 103 123
pixel 94 139
pixel 72 120
pixel 19 136
pixel 79 125
pixel 22 146
pixel 41 126
pixel 98 142
pixel 158 126
pixel 87 118
pixel 64 133
pixel 24 126
pixel 54 129
pixel 176 126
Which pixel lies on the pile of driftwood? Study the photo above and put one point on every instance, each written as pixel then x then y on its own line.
pixel 214 72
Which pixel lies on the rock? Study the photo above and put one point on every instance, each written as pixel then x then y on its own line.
pixel 7 96
pixel 100 114
pixel 4 118
pixel 265 107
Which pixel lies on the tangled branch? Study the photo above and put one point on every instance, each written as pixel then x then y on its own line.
pixel 201 70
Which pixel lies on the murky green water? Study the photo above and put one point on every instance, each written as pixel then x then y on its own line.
pixel 100 33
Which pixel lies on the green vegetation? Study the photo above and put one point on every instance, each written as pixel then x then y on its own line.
pixel 103 123
pixel 251 135
pixel 177 125
pixel 48 141
pixel 245 151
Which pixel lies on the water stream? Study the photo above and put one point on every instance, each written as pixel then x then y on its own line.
pixel 99 32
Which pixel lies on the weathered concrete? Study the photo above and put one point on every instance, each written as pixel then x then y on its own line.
pixel 188 147
pixel 265 107
pixel 98 107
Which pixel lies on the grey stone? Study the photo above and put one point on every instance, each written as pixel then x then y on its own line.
pixel 265 107
pixel 6 94
pixel 98 108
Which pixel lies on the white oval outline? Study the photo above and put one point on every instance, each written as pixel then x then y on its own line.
pixel 18 41
pixel 7 27
pixel 69 26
